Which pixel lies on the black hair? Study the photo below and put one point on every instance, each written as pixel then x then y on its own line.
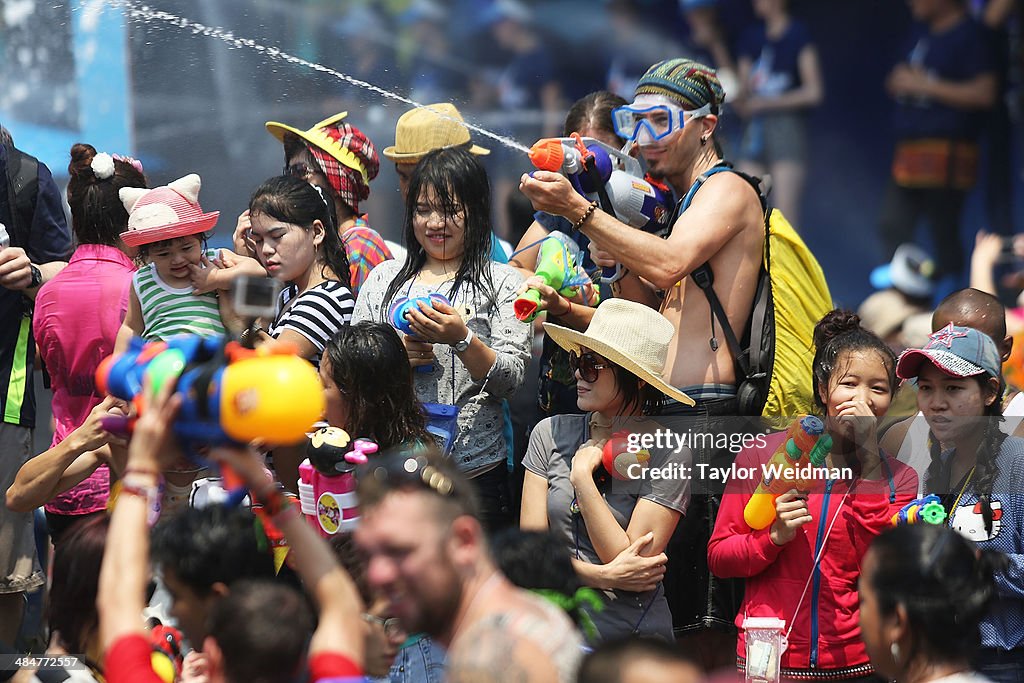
pixel 434 474
pixel 460 183
pixel 263 630
pixel 594 111
pixel 840 333
pixel 214 544
pixel 986 467
pixel 76 570
pixel 943 582
pixel 369 362
pixel 608 660
pixel 352 559
pixel 635 393
pixel 295 201
pixel 98 215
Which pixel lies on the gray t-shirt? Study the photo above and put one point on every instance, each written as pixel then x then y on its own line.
pixel 480 441
pixel 553 444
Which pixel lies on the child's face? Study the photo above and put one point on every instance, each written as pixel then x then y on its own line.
pixel 172 258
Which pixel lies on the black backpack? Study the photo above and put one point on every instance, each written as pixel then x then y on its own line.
pixel 22 187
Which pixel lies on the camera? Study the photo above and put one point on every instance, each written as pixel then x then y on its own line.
pixel 256 297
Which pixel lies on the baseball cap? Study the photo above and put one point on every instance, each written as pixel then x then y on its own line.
pixel 956 351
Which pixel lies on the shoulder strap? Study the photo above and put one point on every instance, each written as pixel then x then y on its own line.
pixel 22 183
pixel 704 278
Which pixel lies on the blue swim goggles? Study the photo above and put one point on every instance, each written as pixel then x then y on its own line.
pixel 659 121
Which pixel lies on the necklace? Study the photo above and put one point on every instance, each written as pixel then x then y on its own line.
pixel 952 509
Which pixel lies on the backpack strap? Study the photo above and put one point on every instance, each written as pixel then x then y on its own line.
pixel 704 278
pixel 22 186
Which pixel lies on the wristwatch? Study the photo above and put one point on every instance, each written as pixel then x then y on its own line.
pixel 37 276
pixel 464 344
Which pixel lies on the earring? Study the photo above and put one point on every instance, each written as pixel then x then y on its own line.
pixel 703 141
pixel 894 650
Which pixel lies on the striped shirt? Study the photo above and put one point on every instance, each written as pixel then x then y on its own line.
pixel 168 311
pixel 316 314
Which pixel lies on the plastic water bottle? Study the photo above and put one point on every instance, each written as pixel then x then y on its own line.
pixel 5 239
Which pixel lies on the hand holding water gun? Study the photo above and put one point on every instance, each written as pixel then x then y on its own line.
pixel 805 446
pixel 927 510
pixel 230 395
pixel 559 266
pixel 610 177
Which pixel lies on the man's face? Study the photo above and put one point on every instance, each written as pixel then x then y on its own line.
pixel 404 172
pixel 669 155
pixel 409 562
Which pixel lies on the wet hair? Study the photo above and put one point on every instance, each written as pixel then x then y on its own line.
pixel 943 582
pixel 973 308
pixel 608 661
pixel 76 573
pixel 636 394
pixel 535 559
pixel 297 202
pixel 840 333
pixel 986 468
pixel 247 625
pixel 433 474
pixel 214 544
pixel 347 553
pixel 97 214
pixel 368 360
pixel 594 111
pixel 460 183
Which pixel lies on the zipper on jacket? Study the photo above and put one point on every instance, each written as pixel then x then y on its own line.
pixel 817 574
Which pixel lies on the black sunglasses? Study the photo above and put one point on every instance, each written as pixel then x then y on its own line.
pixel 586 364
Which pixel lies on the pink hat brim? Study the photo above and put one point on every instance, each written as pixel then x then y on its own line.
pixel 136 238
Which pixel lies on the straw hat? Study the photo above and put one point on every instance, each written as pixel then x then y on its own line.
pixel 164 213
pixel 424 129
pixel 631 335
pixel 351 149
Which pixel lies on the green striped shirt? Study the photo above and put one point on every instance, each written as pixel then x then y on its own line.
pixel 168 311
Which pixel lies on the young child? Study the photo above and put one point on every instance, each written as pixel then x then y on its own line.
pixel 168 227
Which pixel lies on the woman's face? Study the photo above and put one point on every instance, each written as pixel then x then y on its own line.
pixel 602 394
pixel 874 628
pixel 860 376
pixel 336 405
pixel 286 250
pixel 953 406
pixel 442 237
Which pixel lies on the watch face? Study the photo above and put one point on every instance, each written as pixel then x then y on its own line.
pixel 462 346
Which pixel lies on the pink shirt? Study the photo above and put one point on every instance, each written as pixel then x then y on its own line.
pixel 77 316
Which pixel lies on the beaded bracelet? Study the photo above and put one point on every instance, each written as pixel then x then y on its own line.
pixel 586 215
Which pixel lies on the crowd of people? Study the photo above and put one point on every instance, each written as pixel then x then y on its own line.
pixel 450 544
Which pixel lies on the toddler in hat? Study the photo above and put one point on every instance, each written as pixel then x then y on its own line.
pixel 169 228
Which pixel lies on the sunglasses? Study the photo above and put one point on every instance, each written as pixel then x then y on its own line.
pixel 300 169
pixel 392 626
pixel 586 364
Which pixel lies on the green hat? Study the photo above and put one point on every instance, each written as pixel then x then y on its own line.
pixel 690 83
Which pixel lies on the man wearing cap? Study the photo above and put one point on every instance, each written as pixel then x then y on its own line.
pixel 673 120
pixel 424 129
pixel 338 158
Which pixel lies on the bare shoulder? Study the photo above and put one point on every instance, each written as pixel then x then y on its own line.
pixel 727 200
pixel 529 641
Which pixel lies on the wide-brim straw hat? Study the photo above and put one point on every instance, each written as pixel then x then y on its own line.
pixel 166 212
pixel 631 335
pixel 325 135
pixel 424 129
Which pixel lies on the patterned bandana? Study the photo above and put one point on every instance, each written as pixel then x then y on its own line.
pixel 349 182
pixel 688 82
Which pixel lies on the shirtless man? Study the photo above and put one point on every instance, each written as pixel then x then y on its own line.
pixel 724 225
pixel 673 120
pixel 427 554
